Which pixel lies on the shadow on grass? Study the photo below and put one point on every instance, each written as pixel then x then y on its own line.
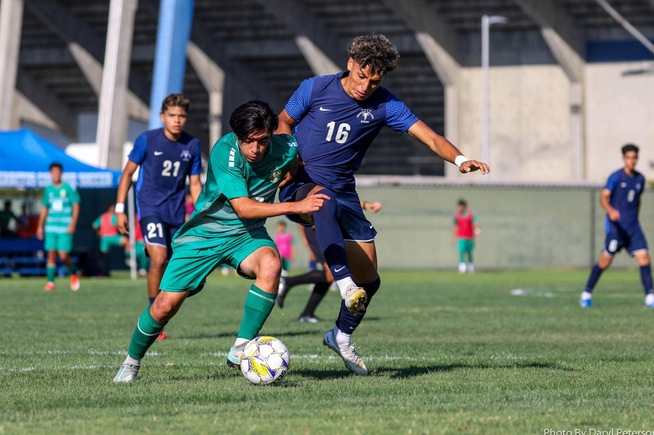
pixel 408 372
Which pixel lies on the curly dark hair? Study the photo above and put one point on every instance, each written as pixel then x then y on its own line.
pixel 175 100
pixel 374 50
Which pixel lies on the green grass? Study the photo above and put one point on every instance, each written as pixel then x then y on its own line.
pixel 447 354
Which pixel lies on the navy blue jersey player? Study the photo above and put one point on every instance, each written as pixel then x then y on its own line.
pixel 167 156
pixel 335 119
pixel 621 200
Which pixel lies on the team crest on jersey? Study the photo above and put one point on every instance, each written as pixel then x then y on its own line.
pixel 62 193
pixel 364 115
pixel 275 176
pixel 185 155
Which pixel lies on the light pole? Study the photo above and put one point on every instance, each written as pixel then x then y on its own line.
pixel 486 22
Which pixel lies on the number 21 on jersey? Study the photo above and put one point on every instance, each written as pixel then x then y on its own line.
pixel 170 168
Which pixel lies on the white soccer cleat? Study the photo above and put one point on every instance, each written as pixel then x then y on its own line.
pixel 649 300
pixel 462 268
pixel 127 373
pixel 348 353
pixel 471 268
pixel 355 299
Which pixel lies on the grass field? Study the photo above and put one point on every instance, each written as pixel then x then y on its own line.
pixel 494 352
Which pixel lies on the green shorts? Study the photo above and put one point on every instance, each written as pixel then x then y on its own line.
pixel 466 245
pixel 189 266
pixel 58 242
pixel 106 242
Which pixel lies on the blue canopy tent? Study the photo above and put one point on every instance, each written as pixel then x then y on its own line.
pixel 24 164
pixel 25 158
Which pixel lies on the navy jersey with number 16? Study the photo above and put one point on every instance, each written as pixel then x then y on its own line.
pixel 165 164
pixel 334 130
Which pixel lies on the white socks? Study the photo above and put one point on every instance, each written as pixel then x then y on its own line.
pixel 342 339
pixel 132 361
pixel 343 284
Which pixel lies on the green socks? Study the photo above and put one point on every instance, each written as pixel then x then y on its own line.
pixel 258 305
pixel 146 332
pixel 50 271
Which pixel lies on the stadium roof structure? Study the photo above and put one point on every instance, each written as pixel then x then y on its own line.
pixel 25 159
pixel 262 47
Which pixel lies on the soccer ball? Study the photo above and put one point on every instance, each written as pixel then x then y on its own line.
pixel 265 360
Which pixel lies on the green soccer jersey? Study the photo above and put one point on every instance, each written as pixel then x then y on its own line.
pixel 59 202
pixel 231 176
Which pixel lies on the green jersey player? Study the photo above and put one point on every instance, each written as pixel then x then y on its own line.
pixel 57 222
pixel 227 227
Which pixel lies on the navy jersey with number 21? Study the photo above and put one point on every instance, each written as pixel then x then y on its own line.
pixel 165 164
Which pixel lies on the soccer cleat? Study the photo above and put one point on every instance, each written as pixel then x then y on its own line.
pixel 127 373
pixel 462 268
pixel 348 353
pixel 162 336
pixel 234 356
pixel 281 292
pixel 308 319
pixel 355 299
pixel 649 300
pixel 49 286
pixel 586 300
pixel 74 282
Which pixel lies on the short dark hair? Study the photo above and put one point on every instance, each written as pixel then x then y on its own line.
pixel 175 100
pixel 252 116
pixel 55 165
pixel 375 51
pixel 462 202
pixel 629 147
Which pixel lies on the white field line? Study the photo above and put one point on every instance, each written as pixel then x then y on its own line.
pixel 532 293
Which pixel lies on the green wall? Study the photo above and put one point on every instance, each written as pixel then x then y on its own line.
pixel 522 227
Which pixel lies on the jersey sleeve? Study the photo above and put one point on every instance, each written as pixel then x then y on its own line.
pixel 137 155
pixel 398 115
pixel 196 165
pixel 96 222
pixel 300 102
pixel 611 182
pixel 226 166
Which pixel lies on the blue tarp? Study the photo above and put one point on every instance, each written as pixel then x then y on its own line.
pixel 25 158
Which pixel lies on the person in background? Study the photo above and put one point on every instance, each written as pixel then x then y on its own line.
pixel 466 229
pixel 620 198
pixel 6 218
pixel 105 226
pixel 57 223
pixel 167 156
pixel 284 242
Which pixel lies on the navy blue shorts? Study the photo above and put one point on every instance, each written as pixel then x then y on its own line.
pixel 633 240
pixel 351 220
pixel 158 232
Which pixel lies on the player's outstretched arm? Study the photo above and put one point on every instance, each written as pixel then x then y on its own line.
pixel 444 148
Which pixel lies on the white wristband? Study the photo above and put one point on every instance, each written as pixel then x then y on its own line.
pixel 120 208
pixel 460 159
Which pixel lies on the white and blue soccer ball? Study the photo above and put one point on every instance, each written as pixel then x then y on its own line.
pixel 265 360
